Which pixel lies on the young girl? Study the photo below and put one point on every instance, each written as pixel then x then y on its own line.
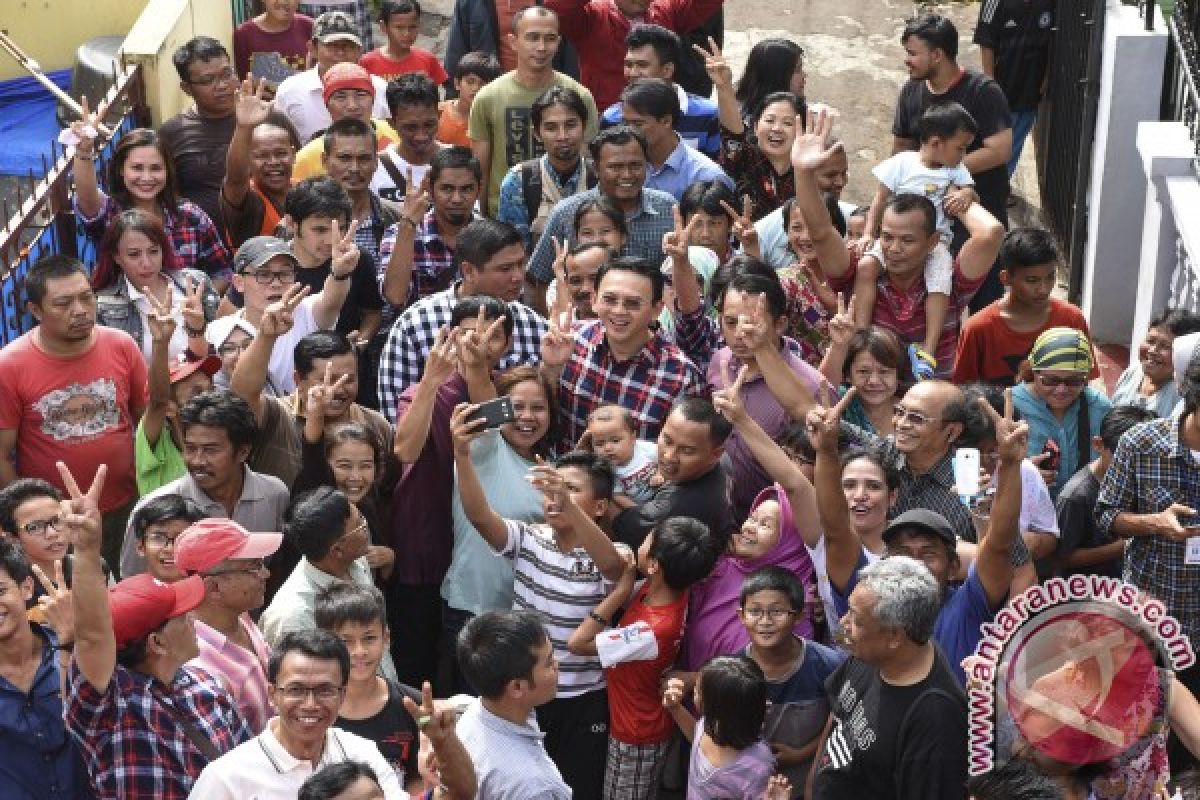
pixel 729 758
pixel 600 220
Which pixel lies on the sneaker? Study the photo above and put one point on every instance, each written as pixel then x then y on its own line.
pixel 921 363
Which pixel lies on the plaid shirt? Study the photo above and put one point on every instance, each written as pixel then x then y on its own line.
pixel 134 747
pixel 413 334
pixel 358 8
pixel 194 237
pixel 647 226
pixel 753 175
pixel 647 385
pixel 1151 469
pixel 433 267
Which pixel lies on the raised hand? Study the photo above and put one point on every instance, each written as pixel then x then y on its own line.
pixel 87 129
pixel 1012 438
pixel 319 394
pixel 673 693
pixel 824 424
pixel 958 199
pixel 562 294
pixel 841 325
pixel 160 321
pixel 728 401
pixel 81 510
pixel 277 318
pixel 715 64
pixel 743 225
pixel 443 356
pixel 249 103
pixel 462 430
pixel 550 482
pixel 437 725
pixel 756 329
pixel 558 341
pixel 473 345
pixel 192 309
pixel 675 243
pixel 345 251
pixel 416 199
pixel 56 603
pixel 778 787
pixel 811 149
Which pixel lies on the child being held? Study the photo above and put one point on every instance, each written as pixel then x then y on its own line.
pixel 612 433
pixel 856 223
pixel 795 669
pixel 935 172
pixel 730 760
pixel 399 20
pixel 474 71
pixel 679 552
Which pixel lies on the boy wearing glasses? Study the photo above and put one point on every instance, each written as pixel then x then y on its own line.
pixel 231 562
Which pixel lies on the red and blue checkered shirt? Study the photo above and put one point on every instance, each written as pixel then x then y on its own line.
pixel 132 743
pixel 433 267
pixel 647 385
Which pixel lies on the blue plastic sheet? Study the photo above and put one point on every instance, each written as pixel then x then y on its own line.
pixel 28 122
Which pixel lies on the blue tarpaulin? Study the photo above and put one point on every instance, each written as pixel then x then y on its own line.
pixel 28 122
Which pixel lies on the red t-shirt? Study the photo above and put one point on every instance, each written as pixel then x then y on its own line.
pixel 634 694
pixel 418 60
pixel 990 351
pixel 77 409
pixel 273 56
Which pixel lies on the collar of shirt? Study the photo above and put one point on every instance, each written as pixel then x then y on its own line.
pixel 501 725
pixel 593 333
pixel 568 182
pixel 318 578
pixel 218 640
pixel 252 489
pixel 46 666
pixel 673 162
pixel 940 474
pixel 284 762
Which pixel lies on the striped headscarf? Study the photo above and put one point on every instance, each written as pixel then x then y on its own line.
pixel 1062 348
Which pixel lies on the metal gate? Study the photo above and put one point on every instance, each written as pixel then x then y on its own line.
pixel 1181 79
pixel 1066 127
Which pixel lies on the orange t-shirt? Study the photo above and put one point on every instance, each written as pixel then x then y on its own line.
pixel 418 60
pixel 452 129
pixel 990 351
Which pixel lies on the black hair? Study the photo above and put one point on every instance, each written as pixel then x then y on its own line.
pixel 1027 247
pixel 18 493
pixel 320 344
pixel 735 267
pixel 666 43
pixel 388 8
pixel 1120 419
pixel 936 31
pixel 468 308
pixel 164 508
pixel 905 203
pixel 320 196
pixel 860 211
pixel 638 266
pixel 315 519
pixel 774 579
pixel 411 90
pixel 653 97
pixel 351 127
pixel 769 69
pixel 311 642
pixel 602 204
pixel 1176 321
pixel 599 471
pixel 201 48
pixel 333 779
pixel 706 196
pixel 484 66
pixel 616 136
pixel 880 343
pixel 356 432
pixel 512 377
pixel 888 466
pixel 795 438
pixel 342 601
pixel 795 102
pixel 752 283
pixel 133 653
pixel 13 561
pixel 1187 783
pixel 579 248
pixel 221 408
pixel 701 409
pixel 1015 779
pixel 944 120
pixel 454 157
pixel 138 138
pixel 48 269
pixel 621 411
pixel 563 96
pixel 482 239
pixel 979 427
pixel 685 550
pixel 497 647
pixel 733 691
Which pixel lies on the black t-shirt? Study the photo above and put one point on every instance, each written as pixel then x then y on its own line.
pixel 1018 32
pixel 393 730
pixel 198 146
pixel 893 742
pixel 1076 507
pixel 983 98
pixel 706 498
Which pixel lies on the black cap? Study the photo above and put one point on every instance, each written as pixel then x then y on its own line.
pixel 924 520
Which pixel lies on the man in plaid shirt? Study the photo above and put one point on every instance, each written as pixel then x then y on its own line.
pixel 147 724
pixel 492 262
pixel 621 357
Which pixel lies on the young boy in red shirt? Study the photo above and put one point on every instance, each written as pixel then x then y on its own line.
pixel 399 20
pixel 995 342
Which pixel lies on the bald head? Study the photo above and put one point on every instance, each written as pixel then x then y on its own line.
pixel 932 420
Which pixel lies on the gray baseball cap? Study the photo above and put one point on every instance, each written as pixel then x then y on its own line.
pixel 258 250
pixel 336 26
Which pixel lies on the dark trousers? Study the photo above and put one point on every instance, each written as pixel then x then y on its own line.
pixel 450 680
pixel 576 731
pixel 415 620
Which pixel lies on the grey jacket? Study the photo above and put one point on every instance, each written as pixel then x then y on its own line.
pixel 115 309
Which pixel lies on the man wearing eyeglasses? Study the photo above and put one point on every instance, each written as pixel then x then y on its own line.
pixel 308 671
pixel 231 562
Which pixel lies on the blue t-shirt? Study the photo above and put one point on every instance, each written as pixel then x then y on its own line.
pixel 964 609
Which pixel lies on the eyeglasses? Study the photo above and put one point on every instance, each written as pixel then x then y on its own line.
pixel 224 76
pixel 325 693
pixel 916 419
pixel 772 614
pixel 255 567
pixel 1054 381
pixel 39 527
pixel 266 277
pixel 160 540
pixel 627 303
pixel 233 348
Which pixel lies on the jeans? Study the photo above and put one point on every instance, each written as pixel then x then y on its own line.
pixel 1022 124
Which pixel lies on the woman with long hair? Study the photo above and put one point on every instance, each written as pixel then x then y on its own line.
pixel 774 65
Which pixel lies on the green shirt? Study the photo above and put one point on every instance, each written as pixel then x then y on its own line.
pixel 157 465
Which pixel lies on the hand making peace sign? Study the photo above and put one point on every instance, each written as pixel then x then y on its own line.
pixel 715 64
pixel 81 510
pixel 824 424
pixel 277 317
pixel 320 394
pixel 743 227
pixel 1012 438
pixel 345 251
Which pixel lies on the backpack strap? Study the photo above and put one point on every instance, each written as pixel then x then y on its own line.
pixel 531 186
pixel 590 178
pixel 393 170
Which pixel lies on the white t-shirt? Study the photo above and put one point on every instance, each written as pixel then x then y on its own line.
pixel 824 590
pixel 904 173
pixel 300 97
pixel 382 179
pixel 282 366
pixel 633 478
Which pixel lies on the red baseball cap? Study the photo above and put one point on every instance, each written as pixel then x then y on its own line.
pixel 143 604
pixel 208 542
pixel 184 367
pixel 346 75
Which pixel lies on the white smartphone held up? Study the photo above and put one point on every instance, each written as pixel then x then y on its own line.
pixel 966 472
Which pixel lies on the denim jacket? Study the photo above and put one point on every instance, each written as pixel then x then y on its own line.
pixel 115 308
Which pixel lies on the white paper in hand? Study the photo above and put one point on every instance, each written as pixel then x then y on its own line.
pixel 634 643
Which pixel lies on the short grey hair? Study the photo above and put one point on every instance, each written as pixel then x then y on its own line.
pixel 907 596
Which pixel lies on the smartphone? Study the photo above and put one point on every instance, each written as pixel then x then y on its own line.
pixel 1055 455
pixel 496 413
pixel 966 471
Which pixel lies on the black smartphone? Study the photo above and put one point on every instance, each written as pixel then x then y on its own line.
pixel 1051 449
pixel 496 413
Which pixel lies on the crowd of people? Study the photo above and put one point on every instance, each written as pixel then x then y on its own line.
pixel 544 423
